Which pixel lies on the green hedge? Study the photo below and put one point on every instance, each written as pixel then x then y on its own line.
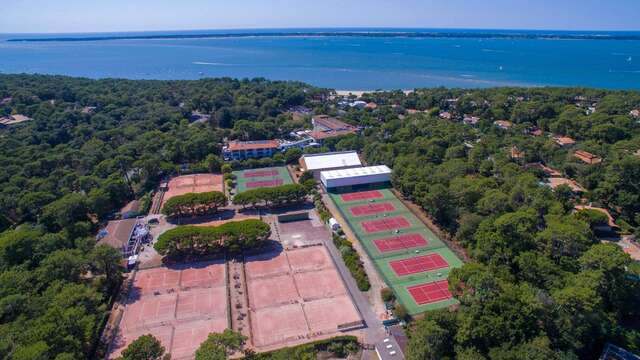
pixel 353 262
pixel 204 240
pixel 272 196
pixel 194 204
pixel 339 346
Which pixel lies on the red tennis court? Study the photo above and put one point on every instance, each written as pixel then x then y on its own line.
pixel 429 293
pixel 260 173
pixel 370 209
pixel 264 183
pixel 400 242
pixel 418 264
pixel 363 195
pixel 398 222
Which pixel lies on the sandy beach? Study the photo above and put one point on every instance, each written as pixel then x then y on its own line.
pixel 359 93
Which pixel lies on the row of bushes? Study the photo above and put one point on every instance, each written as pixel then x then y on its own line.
pixel 272 196
pixel 322 210
pixel 352 260
pixel 337 347
pixel 231 237
pixel 192 204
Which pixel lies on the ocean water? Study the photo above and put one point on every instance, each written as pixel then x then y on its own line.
pixel 341 62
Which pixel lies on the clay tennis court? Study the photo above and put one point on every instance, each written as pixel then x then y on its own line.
pixel 149 311
pixel 342 312
pixel 278 325
pixel 260 173
pixel 430 293
pixel 206 276
pixel 386 224
pixel 314 285
pixel 199 303
pixel 370 209
pixel 189 336
pixel 196 183
pixel 179 306
pixel 400 242
pixel 418 264
pixel 362 195
pixel 122 340
pixel 264 183
pixel 155 281
pixel 265 265
pixel 309 259
pixel 290 294
pixel 269 292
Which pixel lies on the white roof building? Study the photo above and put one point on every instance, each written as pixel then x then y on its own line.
pixel 331 160
pixel 355 176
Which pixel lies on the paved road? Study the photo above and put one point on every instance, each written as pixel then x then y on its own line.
pixel 374 332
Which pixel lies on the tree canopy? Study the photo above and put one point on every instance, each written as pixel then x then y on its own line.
pixel 233 237
pixel 193 204
pixel 272 196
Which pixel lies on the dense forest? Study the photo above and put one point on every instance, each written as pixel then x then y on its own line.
pixel 541 284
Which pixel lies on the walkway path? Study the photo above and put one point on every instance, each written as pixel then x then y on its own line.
pixel 374 332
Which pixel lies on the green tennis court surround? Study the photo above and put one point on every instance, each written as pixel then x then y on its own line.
pixel 262 177
pixel 409 256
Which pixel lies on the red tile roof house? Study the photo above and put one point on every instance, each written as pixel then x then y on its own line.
pixel 118 235
pixel 445 115
pixel 242 150
pixel 13 119
pixel 534 131
pixel 470 120
pixel 516 153
pixel 554 182
pixel 325 127
pixel 563 140
pixel 503 124
pixel 587 157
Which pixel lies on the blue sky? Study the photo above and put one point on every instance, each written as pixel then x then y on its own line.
pixel 127 15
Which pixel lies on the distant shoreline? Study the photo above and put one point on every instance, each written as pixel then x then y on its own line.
pixel 379 34
pixel 359 93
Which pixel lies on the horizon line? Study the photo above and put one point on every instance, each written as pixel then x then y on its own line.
pixel 316 28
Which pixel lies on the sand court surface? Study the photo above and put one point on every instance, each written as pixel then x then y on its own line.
pixel 296 295
pixel 342 312
pixel 309 259
pixel 265 265
pixel 196 183
pixel 319 284
pixel 267 292
pixel 179 305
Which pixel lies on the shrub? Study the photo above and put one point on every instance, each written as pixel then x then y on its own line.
pixel 307 175
pixel 353 262
pixel 339 346
pixel 387 295
pixel 400 312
